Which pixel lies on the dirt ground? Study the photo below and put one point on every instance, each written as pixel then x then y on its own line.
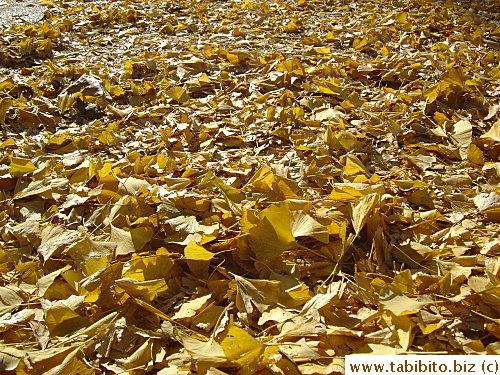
pixel 12 12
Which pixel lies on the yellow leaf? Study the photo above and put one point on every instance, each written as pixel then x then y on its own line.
pixel 11 296
pixel 329 90
pixel 253 294
pixel 62 311
pixel 291 27
pixel 333 228
pixel 233 194
pixel 355 99
pixel 46 281
pixel 65 101
pixel 7 143
pixel 141 358
pixel 462 133
pixel 264 179
pixel 26 46
pixel 233 59
pixel 359 43
pixel 323 50
pixel 402 17
pixel 473 82
pixel 54 238
pixel 129 241
pixel 353 166
pixel 440 46
pixel 10 358
pixel 272 233
pixel 108 138
pixel 208 317
pixel 429 328
pixel 5 104
pixel 150 267
pixel 194 251
pixel 144 290
pixel 493 133
pixel 362 211
pixel 203 79
pixel 399 304
pixel 437 90
pixel 20 167
pixel 178 94
pixel 344 195
pixel 128 67
pixel 168 28
pixel 475 155
pixel 242 348
pixel 384 51
pixel 56 360
pixel 456 77
pixel 192 307
pixel 209 350
pixel 305 225
pixel 331 36
pixel 237 57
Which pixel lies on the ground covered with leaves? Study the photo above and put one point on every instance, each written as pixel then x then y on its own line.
pixel 248 187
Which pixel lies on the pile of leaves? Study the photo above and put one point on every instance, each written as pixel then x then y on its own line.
pixel 248 187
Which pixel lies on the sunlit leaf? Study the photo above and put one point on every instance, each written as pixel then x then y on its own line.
pixel 178 94
pixel 196 252
pixel 5 104
pixel 243 349
pixel 19 167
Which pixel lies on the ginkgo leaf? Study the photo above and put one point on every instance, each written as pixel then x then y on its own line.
pixel 10 358
pixel 19 167
pixel 304 225
pixel 402 17
pixel 437 90
pixel 243 349
pixel 178 94
pixel 422 159
pixel 191 308
pixel 475 155
pixel 362 211
pixel 399 304
pixel 54 239
pixel 57 360
pixel 41 187
pixel 232 193
pixel 129 241
pixel 353 166
pixel 8 142
pixel 46 281
pixel 5 104
pixel 462 136
pixel 150 267
pixel 493 133
pixel 204 79
pixel 300 351
pixel 272 233
pixel 62 317
pixel 11 296
pixel 485 202
pixel 455 76
pixel 196 252
pixel 147 290
pixel 141 358
pixel 209 348
pixel 255 293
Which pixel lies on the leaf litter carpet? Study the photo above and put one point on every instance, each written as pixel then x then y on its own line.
pixel 248 187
